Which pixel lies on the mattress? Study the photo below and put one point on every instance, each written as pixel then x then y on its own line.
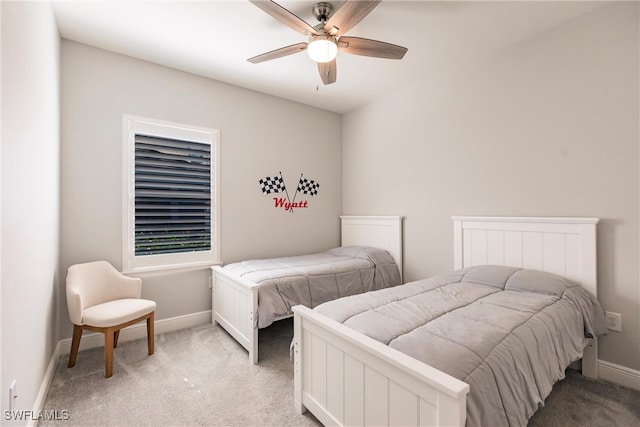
pixel 509 333
pixel 313 279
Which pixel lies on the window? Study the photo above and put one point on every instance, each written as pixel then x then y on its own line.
pixel 170 195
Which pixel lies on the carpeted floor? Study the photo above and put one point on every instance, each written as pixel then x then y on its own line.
pixel 580 402
pixel 202 377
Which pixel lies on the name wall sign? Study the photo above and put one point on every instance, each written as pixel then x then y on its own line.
pixel 275 184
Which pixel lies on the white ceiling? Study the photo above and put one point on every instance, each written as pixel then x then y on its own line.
pixel 215 38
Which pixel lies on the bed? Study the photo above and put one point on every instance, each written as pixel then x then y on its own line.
pixel 346 377
pixel 250 295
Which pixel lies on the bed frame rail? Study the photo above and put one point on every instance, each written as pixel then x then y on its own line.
pixel 346 378
pixel 235 304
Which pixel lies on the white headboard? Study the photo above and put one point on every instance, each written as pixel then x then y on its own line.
pixel 563 246
pixel 384 232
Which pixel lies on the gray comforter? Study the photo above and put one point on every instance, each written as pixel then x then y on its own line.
pixel 313 279
pixel 509 333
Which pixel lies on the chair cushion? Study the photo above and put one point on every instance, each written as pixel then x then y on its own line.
pixel 116 312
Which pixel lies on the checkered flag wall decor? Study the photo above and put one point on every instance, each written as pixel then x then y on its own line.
pixel 275 184
pixel 308 186
pixel 272 184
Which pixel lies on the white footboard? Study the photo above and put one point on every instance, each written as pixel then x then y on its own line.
pixel 234 305
pixel 346 378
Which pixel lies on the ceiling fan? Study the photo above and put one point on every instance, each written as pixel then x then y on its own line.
pixel 327 37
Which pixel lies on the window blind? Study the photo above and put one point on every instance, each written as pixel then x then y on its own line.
pixel 172 196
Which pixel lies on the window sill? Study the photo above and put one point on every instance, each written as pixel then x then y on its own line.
pixel 160 269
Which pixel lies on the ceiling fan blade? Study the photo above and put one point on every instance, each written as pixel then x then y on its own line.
pixel 368 47
pixel 283 15
pixel 328 71
pixel 278 53
pixel 349 15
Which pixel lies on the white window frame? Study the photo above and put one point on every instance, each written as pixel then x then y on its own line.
pixel 153 127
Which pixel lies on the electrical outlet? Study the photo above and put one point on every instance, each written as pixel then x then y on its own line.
pixel 13 395
pixel 614 321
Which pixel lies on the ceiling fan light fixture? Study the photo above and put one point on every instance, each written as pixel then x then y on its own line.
pixel 322 49
pixel 322 43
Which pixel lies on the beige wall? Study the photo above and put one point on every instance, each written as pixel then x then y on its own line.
pixel 546 127
pixel 260 135
pixel 30 196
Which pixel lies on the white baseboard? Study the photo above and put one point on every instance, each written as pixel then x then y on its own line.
pixel 134 332
pixel 44 387
pixel 93 340
pixel 618 374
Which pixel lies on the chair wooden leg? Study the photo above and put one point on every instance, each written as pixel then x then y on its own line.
pixel 150 336
pixel 75 345
pixel 111 335
pixel 108 352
